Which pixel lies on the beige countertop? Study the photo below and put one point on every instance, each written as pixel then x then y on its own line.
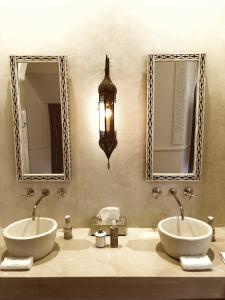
pixel 138 270
pixel 140 254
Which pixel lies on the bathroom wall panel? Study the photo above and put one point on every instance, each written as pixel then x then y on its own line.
pixel 127 31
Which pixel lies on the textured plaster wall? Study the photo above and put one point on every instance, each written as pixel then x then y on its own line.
pixel 127 31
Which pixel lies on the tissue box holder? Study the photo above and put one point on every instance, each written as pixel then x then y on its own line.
pixel 97 223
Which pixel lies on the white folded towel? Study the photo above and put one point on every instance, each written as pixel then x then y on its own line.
pixel 222 256
pixel 14 263
pixel 195 263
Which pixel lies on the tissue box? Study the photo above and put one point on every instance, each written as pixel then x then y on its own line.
pixel 97 223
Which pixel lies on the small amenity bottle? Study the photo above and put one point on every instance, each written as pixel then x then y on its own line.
pixel 114 235
pixel 100 238
pixel 67 229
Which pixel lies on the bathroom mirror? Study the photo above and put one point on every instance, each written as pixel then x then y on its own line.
pixel 175 111
pixel 41 117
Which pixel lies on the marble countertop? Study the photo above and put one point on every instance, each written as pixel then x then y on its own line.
pixel 140 254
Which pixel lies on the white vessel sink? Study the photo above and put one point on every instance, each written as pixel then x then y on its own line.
pixel 184 237
pixel 26 237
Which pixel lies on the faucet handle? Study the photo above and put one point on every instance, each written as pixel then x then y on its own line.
pixel 61 192
pixel 156 191
pixel 29 192
pixel 189 193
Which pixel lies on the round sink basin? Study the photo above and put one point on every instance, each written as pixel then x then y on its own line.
pixel 29 237
pixel 184 237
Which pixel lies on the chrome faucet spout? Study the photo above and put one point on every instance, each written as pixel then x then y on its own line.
pixel 173 192
pixel 44 193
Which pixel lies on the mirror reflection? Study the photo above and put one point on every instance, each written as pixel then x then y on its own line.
pixel 175 92
pixel 40 116
pixel 175 116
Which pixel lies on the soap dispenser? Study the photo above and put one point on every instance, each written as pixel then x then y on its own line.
pixel 67 229
pixel 114 235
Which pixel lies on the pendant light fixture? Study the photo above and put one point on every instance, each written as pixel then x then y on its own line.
pixel 107 114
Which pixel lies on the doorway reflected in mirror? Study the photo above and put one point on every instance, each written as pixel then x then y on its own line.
pixel 41 121
pixel 175 112
pixel 175 100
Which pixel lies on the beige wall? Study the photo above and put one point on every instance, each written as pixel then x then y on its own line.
pixel 127 31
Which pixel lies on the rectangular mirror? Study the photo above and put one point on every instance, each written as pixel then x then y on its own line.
pixel 175 111
pixel 41 117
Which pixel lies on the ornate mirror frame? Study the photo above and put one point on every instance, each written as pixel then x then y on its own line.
pixel 61 60
pixel 199 116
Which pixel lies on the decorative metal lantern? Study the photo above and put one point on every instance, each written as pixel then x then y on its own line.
pixel 107 113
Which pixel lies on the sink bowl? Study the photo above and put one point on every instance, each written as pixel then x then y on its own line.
pixel 26 237
pixel 184 237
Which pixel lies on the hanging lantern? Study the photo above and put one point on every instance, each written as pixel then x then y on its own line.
pixel 107 114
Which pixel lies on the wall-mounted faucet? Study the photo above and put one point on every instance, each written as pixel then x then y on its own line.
pixel 156 192
pixel 44 193
pixel 173 192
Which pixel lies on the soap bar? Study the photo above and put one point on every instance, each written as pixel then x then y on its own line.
pixel 109 213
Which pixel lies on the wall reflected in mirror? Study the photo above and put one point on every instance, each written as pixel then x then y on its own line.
pixel 39 95
pixel 175 116
pixel 175 101
pixel 41 106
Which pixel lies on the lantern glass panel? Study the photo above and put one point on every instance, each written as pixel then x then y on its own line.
pixel 101 116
